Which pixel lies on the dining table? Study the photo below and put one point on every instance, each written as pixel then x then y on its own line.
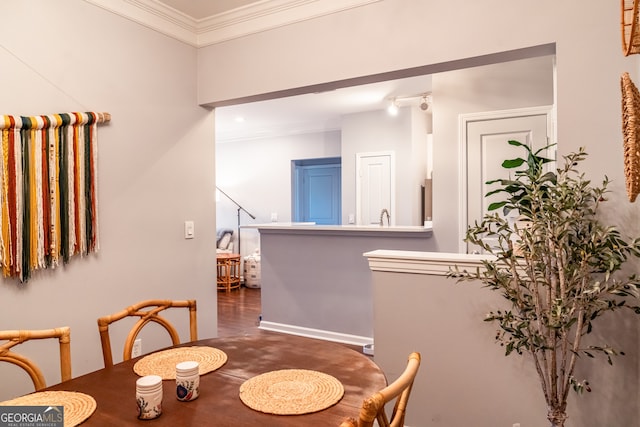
pixel 219 403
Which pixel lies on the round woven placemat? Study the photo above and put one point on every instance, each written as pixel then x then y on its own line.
pixel 164 362
pixel 631 131
pixel 77 406
pixel 291 392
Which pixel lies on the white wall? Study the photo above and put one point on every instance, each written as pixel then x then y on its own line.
pixel 156 169
pixel 381 37
pixel 419 161
pixel 257 175
pixel 377 131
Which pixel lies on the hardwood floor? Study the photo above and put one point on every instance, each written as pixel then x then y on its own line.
pixel 239 313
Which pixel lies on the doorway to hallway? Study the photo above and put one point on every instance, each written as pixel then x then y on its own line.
pixel 316 190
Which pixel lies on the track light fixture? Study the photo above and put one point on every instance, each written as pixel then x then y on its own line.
pixel 422 100
pixel 424 103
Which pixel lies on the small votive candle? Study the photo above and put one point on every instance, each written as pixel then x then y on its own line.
pixel 187 381
pixel 149 397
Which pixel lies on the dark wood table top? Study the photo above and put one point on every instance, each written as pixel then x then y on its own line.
pixel 219 404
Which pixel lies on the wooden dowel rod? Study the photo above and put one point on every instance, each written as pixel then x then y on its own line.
pixel 103 117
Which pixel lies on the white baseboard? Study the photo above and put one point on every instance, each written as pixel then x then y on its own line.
pixel 316 333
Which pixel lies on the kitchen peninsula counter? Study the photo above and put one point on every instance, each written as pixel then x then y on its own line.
pixel 316 282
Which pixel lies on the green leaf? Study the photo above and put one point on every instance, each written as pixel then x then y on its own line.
pixel 496 205
pixel 513 163
pixel 493 181
pixel 544 148
pixel 543 160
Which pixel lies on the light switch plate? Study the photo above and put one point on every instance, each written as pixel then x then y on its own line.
pixel 189 230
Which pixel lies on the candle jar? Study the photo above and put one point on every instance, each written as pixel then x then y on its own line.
pixel 149 397
pixel 187 381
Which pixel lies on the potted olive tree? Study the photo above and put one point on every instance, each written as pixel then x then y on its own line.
pixel 557 266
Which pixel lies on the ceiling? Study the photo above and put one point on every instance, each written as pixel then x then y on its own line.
pixel 201 9
pixel 314 112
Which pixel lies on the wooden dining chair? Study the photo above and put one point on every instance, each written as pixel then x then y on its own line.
pixel 148 311
pixel 373 407
pixel 15 337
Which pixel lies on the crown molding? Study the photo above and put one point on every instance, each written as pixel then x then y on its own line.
pixel 260 16
pixel 155 15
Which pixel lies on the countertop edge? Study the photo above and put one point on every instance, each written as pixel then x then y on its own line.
pixel 367 230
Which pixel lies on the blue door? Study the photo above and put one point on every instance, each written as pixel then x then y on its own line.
pixel 317 196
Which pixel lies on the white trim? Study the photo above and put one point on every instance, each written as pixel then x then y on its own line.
pixel 429 263
pixel 265 15
pixel 256 17
pixel 315 333
pixel 464 120
pixel 154 15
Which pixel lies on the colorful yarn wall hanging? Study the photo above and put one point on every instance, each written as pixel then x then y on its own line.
pixel 48 190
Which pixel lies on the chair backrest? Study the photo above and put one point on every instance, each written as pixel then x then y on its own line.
pixel 147 311
pixel 15 337
pixel 373 408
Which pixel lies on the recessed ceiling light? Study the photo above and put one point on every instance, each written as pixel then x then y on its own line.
pixel 239 119
pixel 392 109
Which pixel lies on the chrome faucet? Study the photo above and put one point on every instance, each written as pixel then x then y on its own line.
pixel 384 211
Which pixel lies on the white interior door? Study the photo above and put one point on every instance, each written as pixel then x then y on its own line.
pixel 486 147
pixel 374 187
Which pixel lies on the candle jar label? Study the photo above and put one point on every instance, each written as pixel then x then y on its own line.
pixel 187 389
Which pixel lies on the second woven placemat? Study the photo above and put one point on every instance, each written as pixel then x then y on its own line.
pixel 291 392
pixel 164 362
